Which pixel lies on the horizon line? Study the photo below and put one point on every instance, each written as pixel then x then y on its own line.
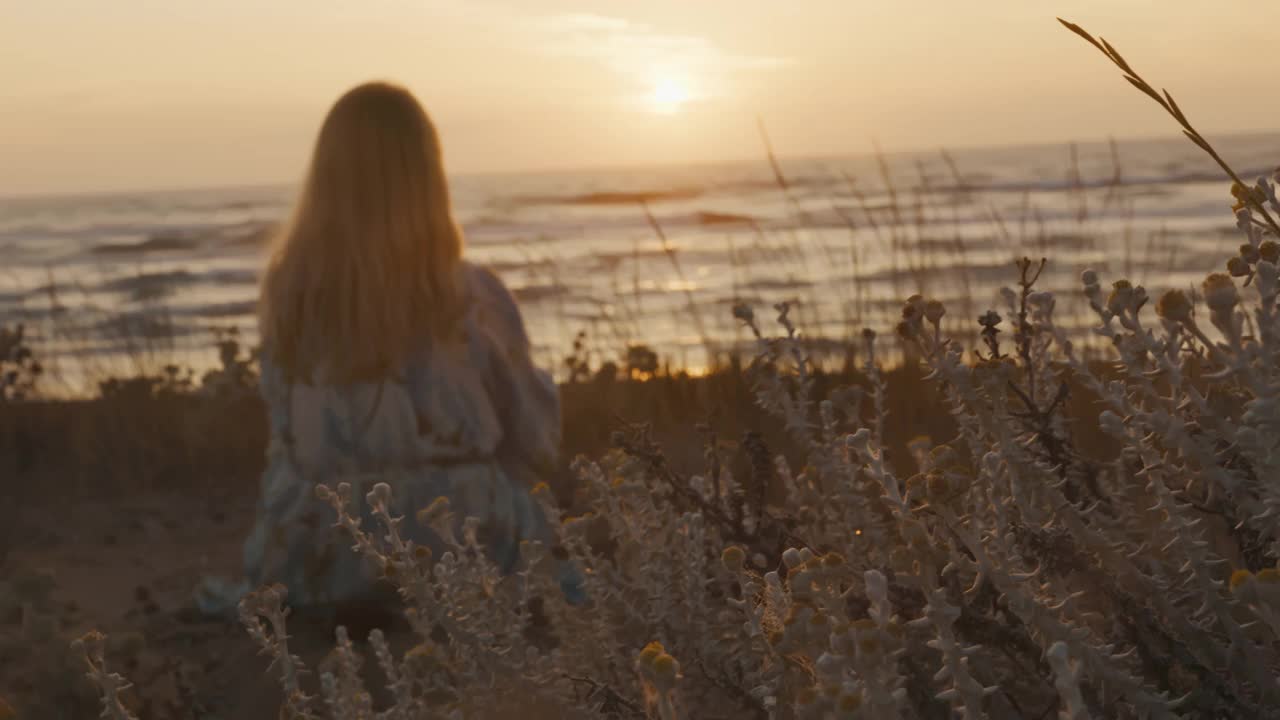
pixel 607 168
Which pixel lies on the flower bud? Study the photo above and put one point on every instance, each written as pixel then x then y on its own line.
pixel 933 311
pixel 649 654
pixel 380 495
pixel 989 319
pixel 1269 250
pixel 665 671
pixel 1121 297
pixel 1237 267
pixel 733 558
pixel 1220 293
pixel 1175 306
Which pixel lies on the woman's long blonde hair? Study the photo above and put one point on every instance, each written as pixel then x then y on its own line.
pixel 367 267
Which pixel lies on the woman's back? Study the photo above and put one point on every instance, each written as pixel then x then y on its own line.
pixel 473 394
pixel 468 417
pixel 387 358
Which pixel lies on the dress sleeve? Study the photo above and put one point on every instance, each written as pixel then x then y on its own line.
pixel 282 491
pixel 526 397
pixel 275 394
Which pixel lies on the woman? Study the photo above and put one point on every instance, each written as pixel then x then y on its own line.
pixel 387 357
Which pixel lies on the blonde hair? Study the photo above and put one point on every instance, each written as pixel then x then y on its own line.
pixel 367 268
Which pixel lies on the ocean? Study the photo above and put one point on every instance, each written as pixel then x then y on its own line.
pixel 129 282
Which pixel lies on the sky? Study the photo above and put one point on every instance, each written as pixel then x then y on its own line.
pixel 156 94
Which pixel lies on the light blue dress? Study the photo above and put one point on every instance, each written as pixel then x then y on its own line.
pixel 471 419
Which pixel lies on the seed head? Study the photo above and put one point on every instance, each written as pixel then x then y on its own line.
pixel 1121 297
pixel 989 319
pixel 665 668
pixel 649 654
pixel 733 558
pixel 380 495
pixel 1269 250
pixel 1238 267
pixel 1220 293
pixel 933 311
pixel 1175 306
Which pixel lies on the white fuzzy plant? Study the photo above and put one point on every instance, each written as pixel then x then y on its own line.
pixel 1008 575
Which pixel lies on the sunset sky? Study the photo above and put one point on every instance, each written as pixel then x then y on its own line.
pixel 151 94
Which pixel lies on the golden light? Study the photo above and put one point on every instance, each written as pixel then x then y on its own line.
pixel 668 96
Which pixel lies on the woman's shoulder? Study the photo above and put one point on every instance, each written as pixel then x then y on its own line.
pixel 494 304
pixel 484 284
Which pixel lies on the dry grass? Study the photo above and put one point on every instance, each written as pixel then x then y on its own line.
pixel 213 446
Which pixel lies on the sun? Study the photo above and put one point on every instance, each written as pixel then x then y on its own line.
pixel 668 96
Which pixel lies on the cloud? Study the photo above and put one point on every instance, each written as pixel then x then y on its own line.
pixel 642 51
pixel 585 21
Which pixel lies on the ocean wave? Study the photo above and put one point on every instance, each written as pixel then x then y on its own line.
pixel 238 308
pixel 96 231
pixel 540 292
pixel 158 242
pixel 1127 182
pixel 149 286
pixel 610 197
pixel 256 236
